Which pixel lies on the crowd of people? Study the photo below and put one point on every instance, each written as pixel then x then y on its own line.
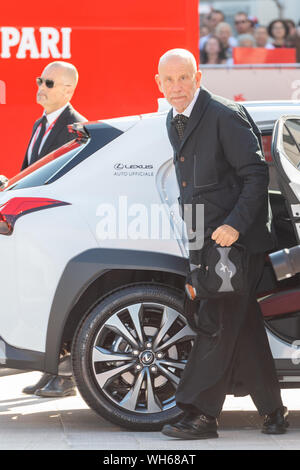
pixel 218 39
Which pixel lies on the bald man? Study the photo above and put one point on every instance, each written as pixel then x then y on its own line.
pixel 219 164
pixel 56 87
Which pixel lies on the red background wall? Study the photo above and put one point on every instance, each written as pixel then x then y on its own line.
pixel 115 46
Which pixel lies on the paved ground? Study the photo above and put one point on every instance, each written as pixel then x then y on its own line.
pixel 30 422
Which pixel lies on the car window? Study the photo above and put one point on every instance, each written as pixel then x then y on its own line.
pixel 56 164
pixel 45 172
pixel 291 141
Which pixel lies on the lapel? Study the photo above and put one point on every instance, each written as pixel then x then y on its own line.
pixel 173 134
pixel 36 124
pixel 58 126
pixel 197 114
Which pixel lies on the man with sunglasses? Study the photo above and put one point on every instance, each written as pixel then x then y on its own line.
pixel 56 87
pixel 242 24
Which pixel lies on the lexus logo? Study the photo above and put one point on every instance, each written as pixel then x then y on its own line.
pixel 121 166
pixel 147 357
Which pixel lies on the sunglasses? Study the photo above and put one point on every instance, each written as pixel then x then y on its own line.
pixel 49 83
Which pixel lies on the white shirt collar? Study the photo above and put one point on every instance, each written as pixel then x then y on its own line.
pixel 188 110
pixel 54 115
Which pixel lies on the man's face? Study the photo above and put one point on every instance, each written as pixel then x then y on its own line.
pixel 214 19
pixel 178 81
pixel 242 24
pixel 54 98
pixel 224 34
pixel 261 37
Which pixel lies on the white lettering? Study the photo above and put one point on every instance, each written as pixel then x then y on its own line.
pixel 66 43
pixel 138 227
pixel 49 40
pixel 10 38
pixel 28 43
pixel 106 228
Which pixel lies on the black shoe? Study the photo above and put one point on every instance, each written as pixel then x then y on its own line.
pixel 31 389
pixel 192 426
pixel 58 386
pixel 276 423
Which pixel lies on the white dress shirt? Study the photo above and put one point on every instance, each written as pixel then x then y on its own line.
pixel 189 108
pixel 51 117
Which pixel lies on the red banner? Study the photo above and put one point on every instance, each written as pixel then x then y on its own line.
pixel 114 45
pixel 259 55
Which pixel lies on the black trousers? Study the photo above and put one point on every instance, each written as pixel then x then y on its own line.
pixel 240 359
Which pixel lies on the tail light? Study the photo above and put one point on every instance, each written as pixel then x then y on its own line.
pixel 19 206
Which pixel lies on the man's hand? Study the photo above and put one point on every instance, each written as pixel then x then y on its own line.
pixel 225 235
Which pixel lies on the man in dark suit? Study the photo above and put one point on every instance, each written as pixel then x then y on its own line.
pixel 56 87
pixel 219 164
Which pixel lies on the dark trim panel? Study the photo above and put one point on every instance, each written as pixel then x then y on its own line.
pixel 24 359
pixel 82 270
pixel 101 135
pixel 285 367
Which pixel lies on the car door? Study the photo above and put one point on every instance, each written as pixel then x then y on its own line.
pixel 286 156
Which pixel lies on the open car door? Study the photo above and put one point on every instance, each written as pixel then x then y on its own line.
pixel 286 157
pixel 281 306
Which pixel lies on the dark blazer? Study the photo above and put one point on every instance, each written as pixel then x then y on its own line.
pixel 59 135
pixel 219 163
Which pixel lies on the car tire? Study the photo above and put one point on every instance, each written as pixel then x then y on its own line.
pixel 141 398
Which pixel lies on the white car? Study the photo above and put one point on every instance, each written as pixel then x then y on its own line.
pixel 93 254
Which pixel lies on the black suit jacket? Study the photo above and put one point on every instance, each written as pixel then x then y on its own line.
pixel 219 163
pixel 59 135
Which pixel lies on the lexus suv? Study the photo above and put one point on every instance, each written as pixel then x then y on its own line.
pixel 94 257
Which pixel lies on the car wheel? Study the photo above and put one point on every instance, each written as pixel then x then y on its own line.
pixel 129 354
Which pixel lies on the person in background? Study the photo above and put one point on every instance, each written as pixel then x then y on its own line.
pixel 254 22
pixel 246 40
pixel 56 87
pixel 204 31
pixel 242 24
pixel 279 32
pixel 224 33
pixel 292 28
pixel 213 52
pixel 262 38
pixel 212 20
pixel 293 39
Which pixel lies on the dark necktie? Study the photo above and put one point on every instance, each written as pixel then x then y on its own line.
pixel 36 146
pixel 180 121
